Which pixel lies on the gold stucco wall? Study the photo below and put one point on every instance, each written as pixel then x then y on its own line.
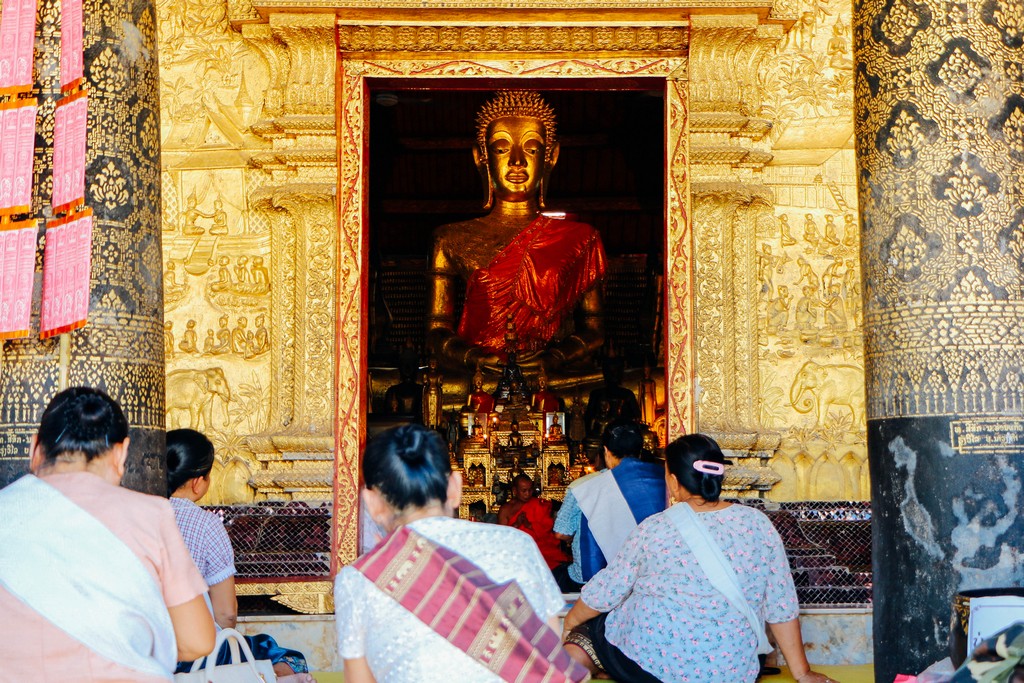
pixel 808 90
pixel 219 86
pixel 217 252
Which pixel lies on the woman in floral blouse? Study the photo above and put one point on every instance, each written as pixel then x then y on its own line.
pixel 654 615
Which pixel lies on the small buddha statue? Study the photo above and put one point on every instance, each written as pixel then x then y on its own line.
pixel 651 447
pixel 600 421
pixel 476 475
pixel 556 474
pixel 577 420
pixel 515 439
pixel 622 403
pixel 499 490
pixel 556 265
pixel 555 433
pixel 648 397
pixel 433 395
pixel 479 401
pixel 512 383
pixel 544 400
pixel 477 432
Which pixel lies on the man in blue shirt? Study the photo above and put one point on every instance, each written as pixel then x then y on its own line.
pixel 600 510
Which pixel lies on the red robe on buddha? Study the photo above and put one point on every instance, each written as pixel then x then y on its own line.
pixel 536 280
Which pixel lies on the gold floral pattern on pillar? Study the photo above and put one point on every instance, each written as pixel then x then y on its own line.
pixel 941 153
pixel 120 349
pixel 110 186
pixel 1008 18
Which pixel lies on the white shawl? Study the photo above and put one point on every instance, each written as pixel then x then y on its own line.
pixel 71 569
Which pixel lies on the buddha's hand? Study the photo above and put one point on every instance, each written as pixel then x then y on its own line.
pixel 535 360
pixel 478 356
pixel 491 363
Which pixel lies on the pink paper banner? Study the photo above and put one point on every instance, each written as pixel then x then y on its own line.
pixel 17 154
pixel 17 269
pixel 71 53
pixel 69 130
pixel 66 274
pixel 8 153
pixel 17 38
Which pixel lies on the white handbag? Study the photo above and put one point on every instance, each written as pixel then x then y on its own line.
pixel 249 671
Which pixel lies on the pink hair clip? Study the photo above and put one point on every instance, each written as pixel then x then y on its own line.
pixel 709 467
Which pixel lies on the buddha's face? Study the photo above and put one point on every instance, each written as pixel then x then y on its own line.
pixel 515 157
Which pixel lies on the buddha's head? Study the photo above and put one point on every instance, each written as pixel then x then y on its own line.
pixel 516 146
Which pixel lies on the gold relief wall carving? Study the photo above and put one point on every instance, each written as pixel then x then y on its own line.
pixel 726 54
pixel 303 240
pixel 808 85
pixel 774 213
pixel 309 88
pixel 939 111
pixel 814 241
pixel 719 214
pixel 218 325
pixel 249 224
pixel 811 347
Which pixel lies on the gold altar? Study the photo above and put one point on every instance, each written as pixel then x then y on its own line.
pixel 267 221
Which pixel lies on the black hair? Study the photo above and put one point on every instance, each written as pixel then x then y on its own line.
pixel 623 438
pixel 408 465
pixel 81 420
pixel 189 455
pixel 686 450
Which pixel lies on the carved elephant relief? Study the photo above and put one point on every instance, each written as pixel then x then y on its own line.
pixel 818 388
pixel 194 392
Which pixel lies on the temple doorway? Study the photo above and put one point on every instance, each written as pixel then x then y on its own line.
pixel 610 175
pixel 371 88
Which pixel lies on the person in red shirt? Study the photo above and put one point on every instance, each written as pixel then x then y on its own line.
pixel 536 517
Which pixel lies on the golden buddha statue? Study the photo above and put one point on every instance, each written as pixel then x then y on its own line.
pixel 433 395
pixel 479 401
pixel 521 268
pixel 544 400
pixel 555 433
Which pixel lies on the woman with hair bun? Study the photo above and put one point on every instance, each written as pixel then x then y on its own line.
pixel 689 593
pixel 189 462
pixel 95 581
pixel 442 599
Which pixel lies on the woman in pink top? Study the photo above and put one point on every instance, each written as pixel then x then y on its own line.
pixel 95 581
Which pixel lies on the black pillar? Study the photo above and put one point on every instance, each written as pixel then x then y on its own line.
pixel 121 348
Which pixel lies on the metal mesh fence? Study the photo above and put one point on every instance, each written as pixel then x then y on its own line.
pixel 828 544
pixel 277 540
pixel 829 548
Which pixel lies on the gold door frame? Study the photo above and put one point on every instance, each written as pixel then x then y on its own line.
pixel 356 65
